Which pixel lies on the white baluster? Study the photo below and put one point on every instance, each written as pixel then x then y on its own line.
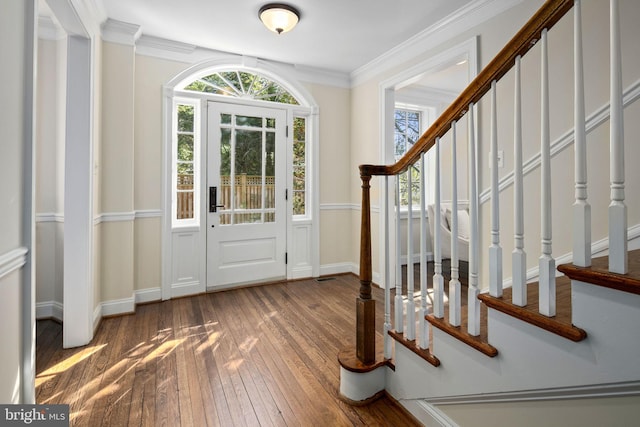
pixel 423 329
pixel 547 289
pixel 618 262
pixel 399 303
pixel 519 257
pixel 581 207
pixel 473 303
pixel 455 301
pixel 438 280
pixel 495 251
pixel 411 307
pixel 387 275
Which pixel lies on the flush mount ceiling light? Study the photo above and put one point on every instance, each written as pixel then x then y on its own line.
pixel 279 17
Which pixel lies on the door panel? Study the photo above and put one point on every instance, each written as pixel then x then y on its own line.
pixel 246 237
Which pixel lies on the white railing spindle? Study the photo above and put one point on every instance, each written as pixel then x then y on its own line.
pixel 495 251
pixel 581 207
pixel 617 209
pixel 399 304
pixel 473 303
pixel 438 280
pixel 411 307
pixel 422 323
pixel 547 290
pixel 519 257
pixel 387 275
pixel 455 301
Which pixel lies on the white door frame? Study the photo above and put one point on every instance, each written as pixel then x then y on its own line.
pixel 79 314
pixel 466 50
pixel 285 77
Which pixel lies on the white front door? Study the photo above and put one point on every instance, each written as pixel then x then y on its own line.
pixel 246 211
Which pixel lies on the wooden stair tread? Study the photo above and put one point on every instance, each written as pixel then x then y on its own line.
pixel 480 343
pixel 598 274
pixel 560 324
pixel 349 361
pixel 412 345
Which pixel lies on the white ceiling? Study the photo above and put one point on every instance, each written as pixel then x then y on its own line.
pixel 337 35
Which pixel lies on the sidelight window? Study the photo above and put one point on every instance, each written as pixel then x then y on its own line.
pixel 185 154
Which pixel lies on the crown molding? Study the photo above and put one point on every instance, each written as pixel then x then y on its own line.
pixel 323 76
pixel 165 49
pixel 451 26
pixel 120 32
pixel 191 54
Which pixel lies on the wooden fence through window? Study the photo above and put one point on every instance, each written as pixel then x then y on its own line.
pixel 247 192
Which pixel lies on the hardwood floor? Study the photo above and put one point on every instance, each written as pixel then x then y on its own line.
pixel 254 356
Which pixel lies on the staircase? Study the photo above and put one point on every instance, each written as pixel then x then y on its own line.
pixel 545 334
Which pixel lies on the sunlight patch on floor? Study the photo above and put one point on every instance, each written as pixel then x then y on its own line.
pixel 163 350
pixel 72 360
pixel 210 344
pixel 248 344
pixel 234 365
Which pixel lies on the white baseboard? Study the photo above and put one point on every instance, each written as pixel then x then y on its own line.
pixel 186 289
pixel 120 306
pixel 338 268
pixel 148 295
pixel 301 272
pixel 49 310
pixel 346 267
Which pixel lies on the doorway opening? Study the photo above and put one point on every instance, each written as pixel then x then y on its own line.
pixel 424 91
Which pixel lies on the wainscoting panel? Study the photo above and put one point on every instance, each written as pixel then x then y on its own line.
pixel 300 252
pixel 186 278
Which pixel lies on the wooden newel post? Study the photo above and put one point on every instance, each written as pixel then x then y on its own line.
pixel 365 305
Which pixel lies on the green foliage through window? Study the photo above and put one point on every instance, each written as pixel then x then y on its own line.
pixel 406 133
pixel 185 136
pixel 242 84
pixel 299 165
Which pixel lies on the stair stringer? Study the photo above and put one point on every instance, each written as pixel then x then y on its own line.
pixel 531 359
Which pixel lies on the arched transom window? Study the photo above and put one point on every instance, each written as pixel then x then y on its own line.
pixel 242 84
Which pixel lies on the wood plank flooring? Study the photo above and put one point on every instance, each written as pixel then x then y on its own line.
pixel 260 356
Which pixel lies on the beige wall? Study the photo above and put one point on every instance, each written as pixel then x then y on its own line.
pixel 115 259
pixel 334 148
pixel 150 76
pixel 50 134
pixel 118 94
pixel 131 170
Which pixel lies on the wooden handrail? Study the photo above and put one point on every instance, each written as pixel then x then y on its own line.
pixel 546 17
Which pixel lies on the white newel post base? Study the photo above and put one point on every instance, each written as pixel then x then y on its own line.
pixel 362 387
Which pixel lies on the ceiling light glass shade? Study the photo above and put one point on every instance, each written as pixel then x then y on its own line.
pixel 279 18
